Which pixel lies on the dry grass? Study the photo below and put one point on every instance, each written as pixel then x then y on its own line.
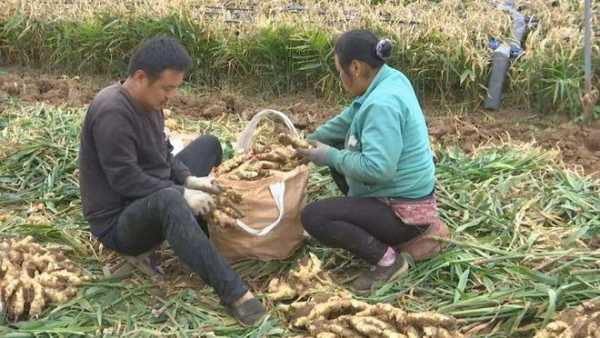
pixel 442 46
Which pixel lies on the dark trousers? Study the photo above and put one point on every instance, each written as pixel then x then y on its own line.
pixel 365 226
pixel 164 215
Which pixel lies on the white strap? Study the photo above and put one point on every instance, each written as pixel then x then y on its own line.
pixel 278 192
pixel 244 143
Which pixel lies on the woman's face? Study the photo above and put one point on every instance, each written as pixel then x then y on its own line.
pixel 345 77
pixel 355 78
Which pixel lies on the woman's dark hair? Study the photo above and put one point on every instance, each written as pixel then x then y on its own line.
pixel 364 46
pixel 157 54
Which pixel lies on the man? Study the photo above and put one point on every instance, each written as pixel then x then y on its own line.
pixel 135 194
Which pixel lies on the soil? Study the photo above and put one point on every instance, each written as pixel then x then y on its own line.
pixel 52 89
pixel 579 145
pixel 580 322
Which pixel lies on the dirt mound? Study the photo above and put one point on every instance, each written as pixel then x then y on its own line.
pixel 309 114
pixel 306 113
pixel 56 90
pixel 207 107
pixel 577 143
pixel 592 141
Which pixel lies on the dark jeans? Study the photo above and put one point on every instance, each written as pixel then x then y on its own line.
pixel 365 226
pixel 164 215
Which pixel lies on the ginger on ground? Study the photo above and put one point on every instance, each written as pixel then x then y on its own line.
pixel 308 277
pixel 347 317
pixel 32 277
pixel 332 312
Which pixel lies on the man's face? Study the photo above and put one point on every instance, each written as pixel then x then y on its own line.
pixel 155 93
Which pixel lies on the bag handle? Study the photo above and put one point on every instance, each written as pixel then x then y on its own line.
pixel 244 143
pixel 278 192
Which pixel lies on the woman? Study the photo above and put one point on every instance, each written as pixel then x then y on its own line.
pixel 378 150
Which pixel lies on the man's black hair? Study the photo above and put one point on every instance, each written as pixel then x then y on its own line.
pixel 157 54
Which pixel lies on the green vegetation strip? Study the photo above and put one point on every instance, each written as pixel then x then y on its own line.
pixel 521 248
pixel 442 46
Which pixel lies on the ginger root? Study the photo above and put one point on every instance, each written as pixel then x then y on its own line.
pixel 346 317
pixel 230 165
pixel 32 277
pixel 226 212
pixel 280 290
pixel 295 142
pixel 329 311
pixel 278 155
pixel 307 278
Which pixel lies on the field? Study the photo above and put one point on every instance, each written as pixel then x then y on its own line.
pixel 281 47
pixel 519 188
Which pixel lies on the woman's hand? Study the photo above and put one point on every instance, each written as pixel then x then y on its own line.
pixel 317 154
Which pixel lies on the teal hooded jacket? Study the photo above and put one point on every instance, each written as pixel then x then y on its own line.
pixel 380 143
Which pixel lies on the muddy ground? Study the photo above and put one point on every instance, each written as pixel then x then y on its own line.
pixel 579 145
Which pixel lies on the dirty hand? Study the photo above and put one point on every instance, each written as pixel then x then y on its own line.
pixel 207 184
pixel 200 202
pixel 317 154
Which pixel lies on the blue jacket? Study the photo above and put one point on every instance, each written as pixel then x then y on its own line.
pixel 384 140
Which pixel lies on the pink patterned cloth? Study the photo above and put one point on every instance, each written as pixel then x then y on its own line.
pixel 422 213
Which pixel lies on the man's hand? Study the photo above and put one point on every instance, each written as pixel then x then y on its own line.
pixel 200 202
pixel 317 154
pixel 207 184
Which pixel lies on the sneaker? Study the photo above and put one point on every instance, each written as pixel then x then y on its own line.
pixel 379 274
pixel 147 263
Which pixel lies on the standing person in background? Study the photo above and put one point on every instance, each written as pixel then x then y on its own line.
pixel 379 153
pixel 135 194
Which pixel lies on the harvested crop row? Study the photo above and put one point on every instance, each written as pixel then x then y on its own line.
pixel 346 317
pixel 331 311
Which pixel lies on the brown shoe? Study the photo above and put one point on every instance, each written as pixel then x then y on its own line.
pixel 423 246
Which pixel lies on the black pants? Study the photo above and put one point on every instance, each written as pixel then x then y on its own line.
pixel 164 215
pixel 364 226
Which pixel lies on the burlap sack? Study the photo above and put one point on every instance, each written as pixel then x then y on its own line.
pixel 271 228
